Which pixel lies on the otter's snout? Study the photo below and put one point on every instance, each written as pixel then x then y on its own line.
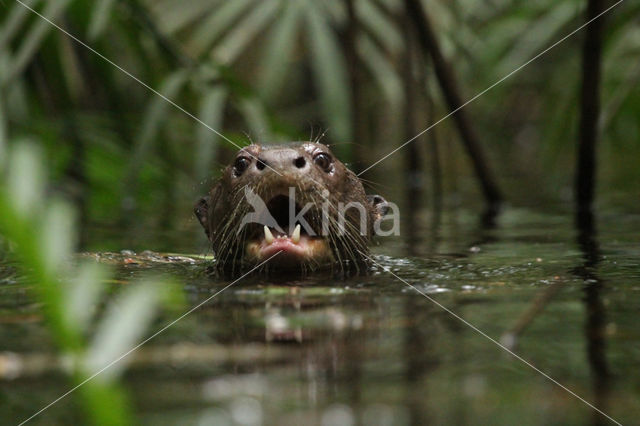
pixel 282 160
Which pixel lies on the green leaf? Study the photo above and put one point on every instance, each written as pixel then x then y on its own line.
pixel 83 293
pixel 154 118
pixel 3 135
pixel 330 73
pixel 218 21
pixel 174 16
pixel 384 29
pixel 105 404
pixel 122 327
pixel 17 95
pixel 275 60
pixel 542 32
pixel 382 70
pixel 31 42
pixel 211 111
pixel 155 114
pixel 58 236
pixel 25 181
pixel 14 20
pixel 253 112
pixel 100 15
pixel 32 243
pixel 394 6
pixel 232 45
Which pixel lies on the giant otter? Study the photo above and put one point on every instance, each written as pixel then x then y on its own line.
pixel 296 202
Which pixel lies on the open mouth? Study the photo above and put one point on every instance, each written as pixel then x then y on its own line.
pixel 292 240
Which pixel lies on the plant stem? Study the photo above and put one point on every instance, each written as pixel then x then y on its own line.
pixel 451 92
pixel 589 110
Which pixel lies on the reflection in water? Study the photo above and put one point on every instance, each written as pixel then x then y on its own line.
pixel 595 313
pixel 414 176
pixel 511 337
pixel 419 358
pixel 412 216
pixel 367 349
pixel 594 309
pixel 333 349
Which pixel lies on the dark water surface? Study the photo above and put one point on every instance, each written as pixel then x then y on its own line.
pixel 370 349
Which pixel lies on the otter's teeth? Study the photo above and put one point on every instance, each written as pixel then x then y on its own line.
pixel 295 237
pixel 268 236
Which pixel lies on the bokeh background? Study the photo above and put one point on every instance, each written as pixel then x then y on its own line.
pixel 351 73
pixel 109 105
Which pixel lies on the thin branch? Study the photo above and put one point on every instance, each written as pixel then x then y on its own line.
pixel 451 93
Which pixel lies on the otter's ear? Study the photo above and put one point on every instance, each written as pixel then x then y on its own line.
pixel 379 205
pixel 201 210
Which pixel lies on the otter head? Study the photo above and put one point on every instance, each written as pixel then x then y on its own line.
pixel 295 202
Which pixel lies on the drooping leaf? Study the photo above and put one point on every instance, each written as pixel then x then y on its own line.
pixel 382 70
pixel 14 20
pixel 217 23
pixel 25 180
pixel 541 33
pixel 83 293
pixel 122 328
pixel 3 135
pixel 57 236
pixel 211 112
pixel 100 15
pixel 106 404
pixel 15 95
pixel 31 42
pixel 154 118
pixel 330 73
pixel 155 115
pixel 173 16
pixel 253 112
pixel 384 29
pixel 239 37
pixel 30 230
pixel 275 60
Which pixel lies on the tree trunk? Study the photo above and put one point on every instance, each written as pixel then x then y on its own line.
pixel 589 111
pixel 413 158
pixel 355 77
pixel 449 87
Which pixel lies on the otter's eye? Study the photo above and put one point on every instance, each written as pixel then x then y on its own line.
pixel 323 161
pixel 241 164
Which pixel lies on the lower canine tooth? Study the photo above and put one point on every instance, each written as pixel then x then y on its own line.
pixel 295 237
pixel 268 236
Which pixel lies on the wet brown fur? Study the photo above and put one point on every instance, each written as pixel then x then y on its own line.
pixel 221 212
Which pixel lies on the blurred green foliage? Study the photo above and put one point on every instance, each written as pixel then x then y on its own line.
pixel 41 236
pixel 261 70
pixel 277 70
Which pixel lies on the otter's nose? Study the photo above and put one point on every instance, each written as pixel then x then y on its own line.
pixel 282 160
